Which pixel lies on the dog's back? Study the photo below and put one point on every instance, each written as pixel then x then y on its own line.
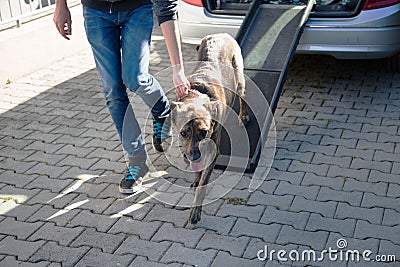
pixel 221 60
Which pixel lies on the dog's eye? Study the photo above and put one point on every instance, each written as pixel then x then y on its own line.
pixel 184 134
pixel 203 134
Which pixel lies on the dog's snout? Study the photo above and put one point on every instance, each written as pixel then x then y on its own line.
pixel 194 154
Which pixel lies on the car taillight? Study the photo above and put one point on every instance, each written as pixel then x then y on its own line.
pixel 194 2
pixel 374 4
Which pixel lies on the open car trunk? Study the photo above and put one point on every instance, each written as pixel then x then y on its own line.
pixel 323 8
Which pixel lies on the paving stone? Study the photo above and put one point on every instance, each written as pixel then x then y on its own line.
pixel 366 230
pixel 21 230
pixel 353 243
pixel 145 230
pixel 376 188
pixel 256 244
pixel 225 259
pixel 95 257
pixel 372 215
pixel 267 232
pixel 20 249
pixel 336 171
pixel 252 213
pixel 313 139
pixel 42 146
pixel 85 218
pixel 373 165
pixel 16 166
pixel 387 147
pixel 371 201
pixel 166 214
pixel 74 150
pixel 387 138
pixel 391 218
pixel 285 188
pixel 394 190
pixel 21 212
pixel 325 150
pixel 16 154
pixel 47 158
pixel 385 129
pixel 56 200
pixel 320 169
pixel 18 195
pixel 388 248
pixel 342 226
pixel 179 253
pixel 104 164
pixel 217 224
pixel 68 139
pixel 354 153
pixel 11 261
pixel 295 155
pixel 55 253
pixel 294 178
pixel 54 185
pixel 353 198
pixel 234 245
pixel 144 262
pixel 259 198
pixel 47 213
pixel 377 176
pixel 79 162
pixel 63 235
pixel 75 173
pixel 92 190
pixel 331 182
pixel 296 219
pixel 108 243
pixel 51 171
pixel 189 237
pixel 326 208
pixel 349 143
pixel 136 246
pixel 315 240
pixel 95 205
pixel 16 179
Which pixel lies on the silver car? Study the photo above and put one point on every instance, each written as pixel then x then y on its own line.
pixel 345 29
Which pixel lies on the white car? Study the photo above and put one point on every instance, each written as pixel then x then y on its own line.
pixel 345 29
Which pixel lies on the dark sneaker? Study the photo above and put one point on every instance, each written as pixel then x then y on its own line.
pixel 133 177
pixel 160 132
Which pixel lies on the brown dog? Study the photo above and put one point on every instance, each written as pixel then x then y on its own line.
pixel 199 114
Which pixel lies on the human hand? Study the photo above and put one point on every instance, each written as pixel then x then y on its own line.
pixel 180 81
pixel 62 19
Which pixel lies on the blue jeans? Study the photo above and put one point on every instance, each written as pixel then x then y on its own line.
pixel 121 48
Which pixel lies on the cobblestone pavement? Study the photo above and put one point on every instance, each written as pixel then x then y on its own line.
pixel 336 174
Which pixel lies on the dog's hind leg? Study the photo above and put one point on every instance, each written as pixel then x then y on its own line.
pixel 237 63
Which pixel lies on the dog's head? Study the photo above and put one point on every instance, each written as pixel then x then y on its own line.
pixel 194 121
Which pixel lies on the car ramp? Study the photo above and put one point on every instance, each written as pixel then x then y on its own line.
pixel 268 38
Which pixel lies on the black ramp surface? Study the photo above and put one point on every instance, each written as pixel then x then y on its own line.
pixel 268 37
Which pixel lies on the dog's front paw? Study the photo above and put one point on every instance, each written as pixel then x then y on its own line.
pixel 194 216
pixel 194 184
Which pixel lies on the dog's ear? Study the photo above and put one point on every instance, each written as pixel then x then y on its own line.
pixel 174 107
pixel 215 108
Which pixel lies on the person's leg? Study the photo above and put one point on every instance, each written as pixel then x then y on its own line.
pixel 135 43
pixel 104 32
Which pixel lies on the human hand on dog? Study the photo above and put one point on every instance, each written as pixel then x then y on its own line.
pixel 180 81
